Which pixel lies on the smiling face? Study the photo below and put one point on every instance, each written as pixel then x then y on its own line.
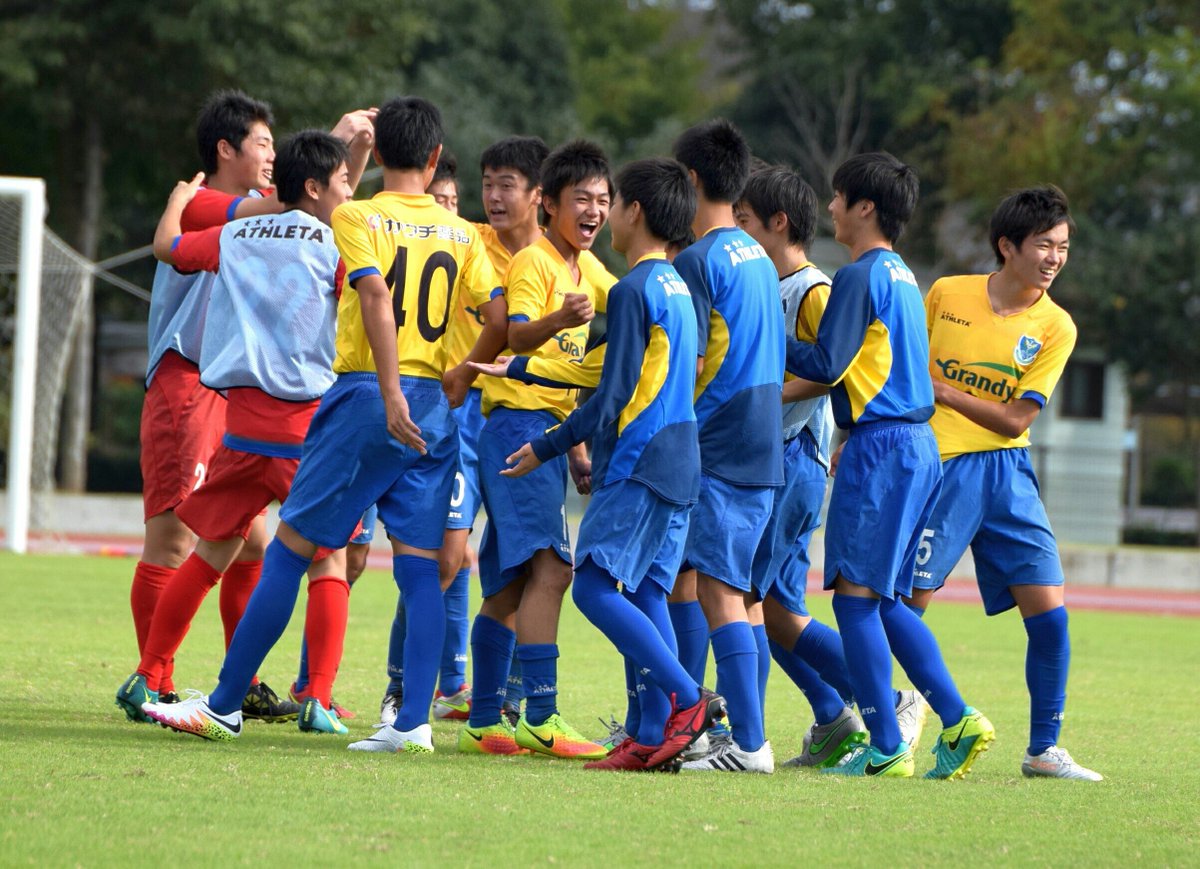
pixel 510 201
pixel 329 196
pixel 250 165
pixel 1037 261
pixel 576 217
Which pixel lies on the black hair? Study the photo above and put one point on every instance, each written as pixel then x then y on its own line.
pixel 447 168
pixel 667 197
pixel 308 154
pixel 1029 212
pixel 717 152
pixel 882 179
pixel 777 188
pixel 572 163
pixel 227 114
pixel 523 153
pixel 407 130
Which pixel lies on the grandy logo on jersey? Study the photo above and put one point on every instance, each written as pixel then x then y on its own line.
pixel 954 371
pixel 1026 350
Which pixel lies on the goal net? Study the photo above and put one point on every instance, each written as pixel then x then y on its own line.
pixel 35 346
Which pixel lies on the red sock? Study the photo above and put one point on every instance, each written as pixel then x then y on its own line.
pixel 325 630
pixel 177 605
pixel 148 582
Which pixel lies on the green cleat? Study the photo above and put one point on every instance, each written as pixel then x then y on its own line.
pixel 959 745
pixel 132 694
pixel 556 738
pixel 826 744
pixel 868 760
pixel 315 718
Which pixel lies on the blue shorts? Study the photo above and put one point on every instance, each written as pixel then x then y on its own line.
pixel 887 482
pixel 990 502
pixel 350 462
pixel 781 561
pixel 525 514
pixel 465 500
pixel 369 520
pixel 633 534
pixel 726 525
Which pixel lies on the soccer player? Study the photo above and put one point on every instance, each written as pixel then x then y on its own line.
pixel 444 186
pixel 739 411
pixel 525 556
pixel 406 258
pixel 778 209
pixel 997 347
pixel 872 348
pixel 646 464
pixel 274 299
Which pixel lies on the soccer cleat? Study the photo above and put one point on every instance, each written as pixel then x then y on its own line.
pixel 616 735
pixel 959 745
pixel 132 694
pixel 1056 762
pixel 700 748
pixel 911 711
pixel 826 744
pixel 868 760
pixel 629 756
pixel 687 724
pixel 314 718
pixel 456 707
pixel 265 705
pixel 388 739
pixel 511 713
pixel 493 739
pixel 390 707
pixel 298 697
pixel 728 757
pixel 555 738
pixel 194 716
pixel 169 697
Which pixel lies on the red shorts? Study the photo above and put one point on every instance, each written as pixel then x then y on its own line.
pixel 182 424
pixel 238 488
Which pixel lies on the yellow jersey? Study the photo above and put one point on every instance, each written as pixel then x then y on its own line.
pixel 467 321
pixel 991 357
pixel 537 281
pixel 428 258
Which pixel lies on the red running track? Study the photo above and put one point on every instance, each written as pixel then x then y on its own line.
pixel 1080 597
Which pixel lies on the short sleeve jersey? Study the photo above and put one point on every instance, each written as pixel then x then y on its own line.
pixel 991 357
pixel 427 256
pixel 467 320
pixel 735 293
pixel 871 346
pixel 538 279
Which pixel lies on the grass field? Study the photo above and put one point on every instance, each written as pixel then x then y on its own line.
pixel 80 785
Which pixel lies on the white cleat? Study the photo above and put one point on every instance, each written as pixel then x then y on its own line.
pixel 911 712
pixel 194 716
pixel 728 757
pixel 1056 762
pixel 698 749
pixel 390 708
pixel 390 740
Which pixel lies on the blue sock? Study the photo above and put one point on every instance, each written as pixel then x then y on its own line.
pixel 395 661
pixel 654 702
pixel 736 654
pixel 633 705
pixel 454 652
pixel 266 617
pixel 915 648
pixel 539 673
pixel 302 673
pixel 869 662
pixel 491 653
pixel 1047 660
pixel 691 636
pixel 821 648
pixel 514 685
pixel 635 634
pixel 425 624
pixel 764 667
pixel 825 702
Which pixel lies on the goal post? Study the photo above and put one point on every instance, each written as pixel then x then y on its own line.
pixel 32 195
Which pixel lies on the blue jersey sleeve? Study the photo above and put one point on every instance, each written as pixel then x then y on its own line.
pixel 628 334
pixel 844 324
pixel 691 269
